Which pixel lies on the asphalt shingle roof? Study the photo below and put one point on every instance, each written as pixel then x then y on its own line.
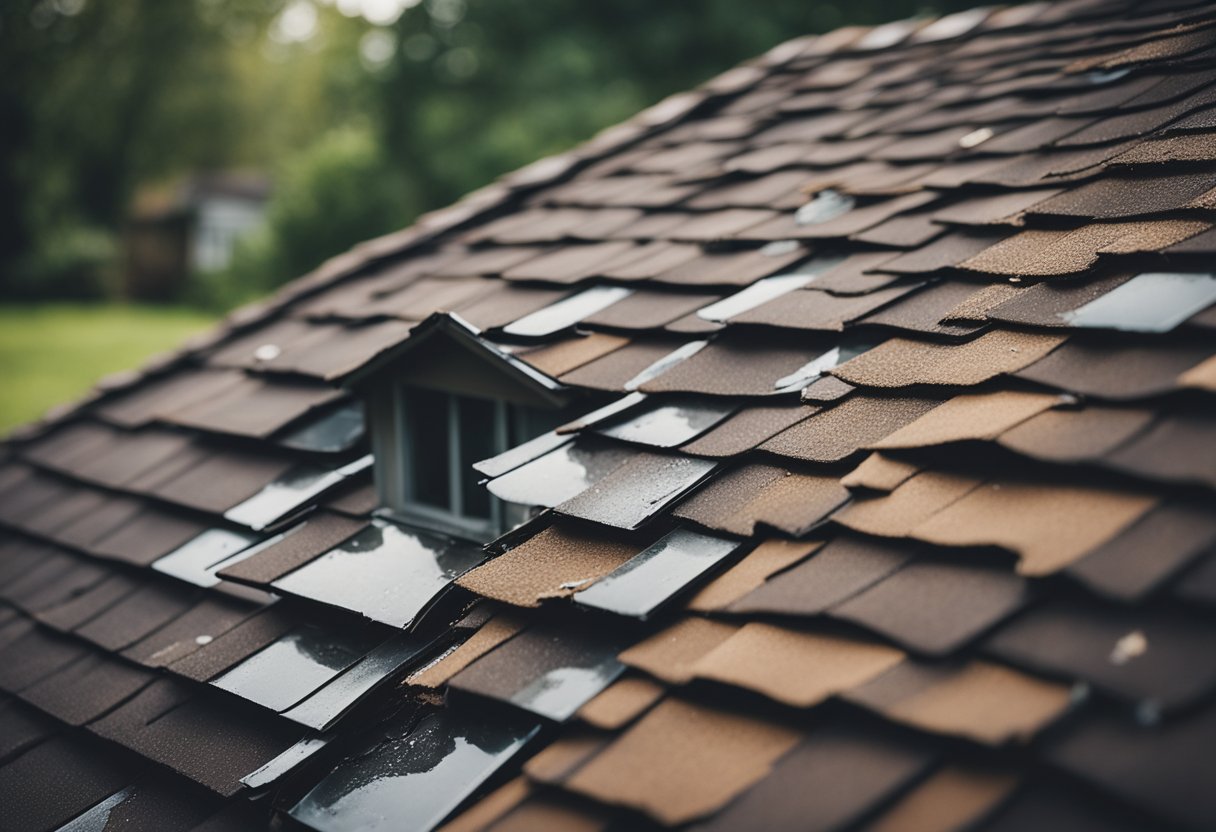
pixel 903 518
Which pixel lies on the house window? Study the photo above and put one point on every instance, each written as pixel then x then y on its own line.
pixel 443 435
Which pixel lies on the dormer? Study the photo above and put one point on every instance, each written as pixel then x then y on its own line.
pixel 441 401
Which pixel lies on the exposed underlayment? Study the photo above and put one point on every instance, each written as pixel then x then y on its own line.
pixel 895 511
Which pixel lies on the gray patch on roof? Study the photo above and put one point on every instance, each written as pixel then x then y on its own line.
pixel 654 576
pixel 1149 302
pixel 415 779
pixel 387 572
pixel 197 560
pixel 567 312
pixel 668 423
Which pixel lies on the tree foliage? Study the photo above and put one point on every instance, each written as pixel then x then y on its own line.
pixel 364 118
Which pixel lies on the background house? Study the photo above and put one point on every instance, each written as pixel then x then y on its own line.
pixel 191 229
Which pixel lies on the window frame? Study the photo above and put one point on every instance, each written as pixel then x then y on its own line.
pixel 453 517
pixel 392 432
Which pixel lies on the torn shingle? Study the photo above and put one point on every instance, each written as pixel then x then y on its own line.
pixel 556 562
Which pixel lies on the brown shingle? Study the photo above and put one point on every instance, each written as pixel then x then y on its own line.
pixel 671 653
pixel 970 416
pixel 1052 253
pixel 813 310
pixel 753 495
pixel 621 703
pixel 926 310
pixel 900 362
pixel 569 264
pixel 838 571
pixel 253 407
pixel 1139 654
pixel 1002 208
pixel 982 701
pixel 732 368
pixel 837 775
pixel 838 432
pixel 718 225
pixel 552 564
pixel 1179 448
pixel 649 309
pixel 852 276
pixel 1071 435
pixel 740 268
pixel 933 607
pixel 1115 371
pixel 1048 526
pixel 752 571
pixel 950 800
pixel 794 667
pixel 945 252
pixel 1148 553
pixel 879 472
pixel 568 355
pixel 682 761
pixel 311 539
pixel 491 634
pixel 1119 197
pixel 913 502
pixel 612 371
pixel 747 429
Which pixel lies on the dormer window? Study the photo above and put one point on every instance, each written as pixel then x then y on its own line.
pixel 444 434
pixel 446 400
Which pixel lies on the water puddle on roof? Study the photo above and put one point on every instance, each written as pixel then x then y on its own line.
pixel 294 666
pixel 414 781
pixel 561 474
pixel 1149 302
pixel 670 423
pixel 654 576
pixel 386 572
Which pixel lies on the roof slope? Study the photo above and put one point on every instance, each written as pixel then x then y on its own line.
pixel 902 517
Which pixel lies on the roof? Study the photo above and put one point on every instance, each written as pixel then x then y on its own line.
pixel 898 515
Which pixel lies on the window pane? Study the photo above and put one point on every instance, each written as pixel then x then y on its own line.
pixel 528 422
pixel 478 440
pixel 426 414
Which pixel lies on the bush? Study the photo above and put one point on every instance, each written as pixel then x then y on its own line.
pixel 73 262
pixel 334 194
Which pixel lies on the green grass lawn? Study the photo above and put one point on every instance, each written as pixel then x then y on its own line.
pixel 52 353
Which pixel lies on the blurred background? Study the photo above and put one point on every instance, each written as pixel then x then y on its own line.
pixel 164 160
